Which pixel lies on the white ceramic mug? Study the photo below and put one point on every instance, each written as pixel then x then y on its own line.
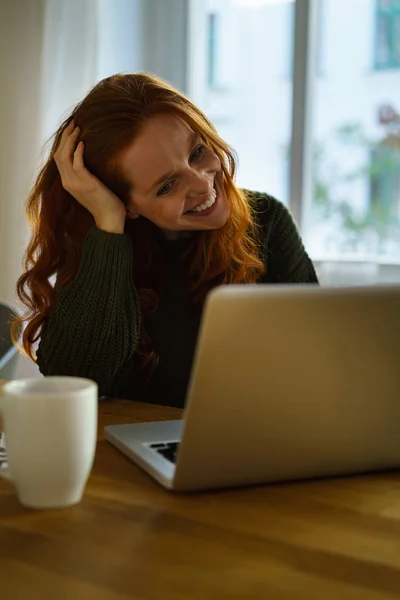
pixel 50 428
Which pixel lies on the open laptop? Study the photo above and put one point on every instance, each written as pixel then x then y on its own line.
pixel 288 382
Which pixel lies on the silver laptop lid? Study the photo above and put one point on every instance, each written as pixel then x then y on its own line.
pixel 293 381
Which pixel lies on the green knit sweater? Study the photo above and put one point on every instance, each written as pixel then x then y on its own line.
pixel 94 328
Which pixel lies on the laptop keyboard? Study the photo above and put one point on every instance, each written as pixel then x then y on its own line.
pixel 3 453
pixel 168 450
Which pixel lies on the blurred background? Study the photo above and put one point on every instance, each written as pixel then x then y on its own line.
pixel 306 91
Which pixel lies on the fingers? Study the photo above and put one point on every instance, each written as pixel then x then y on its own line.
pixel 69 146
pixel 67 131
pixel 77 163
pixel 64 156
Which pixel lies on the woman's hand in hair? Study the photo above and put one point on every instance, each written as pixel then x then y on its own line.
pixel 108 210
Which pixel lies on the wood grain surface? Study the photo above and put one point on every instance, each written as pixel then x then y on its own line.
pixel 336 539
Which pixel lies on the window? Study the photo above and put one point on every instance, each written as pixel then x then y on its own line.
pixel 354 208
pixel 387 35
pixel 237 75
pixel 341 130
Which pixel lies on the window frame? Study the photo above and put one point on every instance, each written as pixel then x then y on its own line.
pixel 391 13
pixel 304 52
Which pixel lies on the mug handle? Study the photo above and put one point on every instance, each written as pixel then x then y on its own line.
pixel 4 471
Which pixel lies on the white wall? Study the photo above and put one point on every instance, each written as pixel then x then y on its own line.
pixel 21 31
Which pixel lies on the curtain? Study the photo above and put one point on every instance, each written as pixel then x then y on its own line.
pixel 48 51
pixel 69 58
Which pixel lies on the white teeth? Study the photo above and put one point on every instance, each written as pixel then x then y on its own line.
pixel 207 204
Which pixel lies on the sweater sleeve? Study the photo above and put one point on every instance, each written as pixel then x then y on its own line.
pixel 285 256
pixel 94 328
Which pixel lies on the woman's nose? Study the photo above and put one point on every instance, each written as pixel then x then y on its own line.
pixel 200 184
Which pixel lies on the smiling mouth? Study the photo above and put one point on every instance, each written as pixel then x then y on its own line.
pixel 205 208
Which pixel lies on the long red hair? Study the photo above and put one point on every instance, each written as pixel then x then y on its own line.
pixel 109 118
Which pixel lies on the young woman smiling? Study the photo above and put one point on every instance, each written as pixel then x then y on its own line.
pixel 135 217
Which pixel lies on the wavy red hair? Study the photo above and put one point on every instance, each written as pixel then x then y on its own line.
pixel 109 118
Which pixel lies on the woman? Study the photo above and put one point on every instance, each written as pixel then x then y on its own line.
pixel 136 217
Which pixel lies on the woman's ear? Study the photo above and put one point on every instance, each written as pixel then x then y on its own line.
pixel 131 214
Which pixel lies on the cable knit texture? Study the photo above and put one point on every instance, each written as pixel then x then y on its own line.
pixel 94 329
pixel 95 326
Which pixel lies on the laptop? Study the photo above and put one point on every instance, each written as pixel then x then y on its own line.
pixel 288 382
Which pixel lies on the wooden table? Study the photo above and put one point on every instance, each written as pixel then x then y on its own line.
pixel 336 539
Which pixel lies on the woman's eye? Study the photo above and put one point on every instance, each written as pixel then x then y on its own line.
pixel 198 153
pixel 165 189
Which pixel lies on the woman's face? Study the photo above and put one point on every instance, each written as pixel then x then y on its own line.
pixel 175 178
